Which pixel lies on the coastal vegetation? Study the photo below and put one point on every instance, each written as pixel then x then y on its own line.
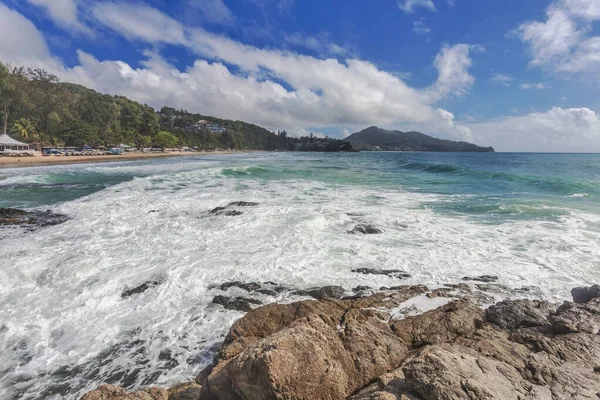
pixel 36 107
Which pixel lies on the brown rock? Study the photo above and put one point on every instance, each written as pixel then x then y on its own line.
pixel 111 392
pixel 514 314
pixel 185 391
pixel 573 318
pixel 445 324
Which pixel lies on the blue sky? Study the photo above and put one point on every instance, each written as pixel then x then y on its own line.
pixel 517 75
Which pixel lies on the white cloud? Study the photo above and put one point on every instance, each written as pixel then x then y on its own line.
pixel 556 130
pixel 17 33
pixel 319 44
pixel 501 78
pixel 140 22
pixel 409 6
pixel 64 13
pixel 420 28
pixel 532 86
pixel 562 42
pixel 452 63
pixel 212 11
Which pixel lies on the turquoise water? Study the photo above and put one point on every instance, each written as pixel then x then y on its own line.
pixel 531 219
pixel 493 185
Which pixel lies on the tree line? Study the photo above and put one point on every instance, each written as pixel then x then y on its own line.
pixel 36 107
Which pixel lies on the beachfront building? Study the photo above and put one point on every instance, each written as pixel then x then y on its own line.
pixel 210 126
pixel 9 145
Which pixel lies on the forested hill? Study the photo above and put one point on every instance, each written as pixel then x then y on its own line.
pixel 375 138
pixel 36 107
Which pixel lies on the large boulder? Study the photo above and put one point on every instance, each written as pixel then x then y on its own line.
pixel 313 358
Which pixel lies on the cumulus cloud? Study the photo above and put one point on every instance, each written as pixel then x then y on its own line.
pixel 558 129
pixel 18 33
pixel 453 63
pixel 562 42
pixel 64 13
pixel 409 6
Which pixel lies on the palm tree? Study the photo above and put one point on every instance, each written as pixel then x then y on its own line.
pixel 27 130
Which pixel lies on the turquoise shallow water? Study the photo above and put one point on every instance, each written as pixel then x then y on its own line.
pixel 531 219
pixel 501 183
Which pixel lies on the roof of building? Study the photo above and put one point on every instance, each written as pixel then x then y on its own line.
pixel 7 140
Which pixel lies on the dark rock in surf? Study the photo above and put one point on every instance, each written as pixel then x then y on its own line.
pixel 236 303
pixel 394 273
pixel 267 292
pixel 365 229
pixel 242 204
pixel 482 278
pixel 222 211
pixel 247 286
pixel 141 288
pixel 30 219
pixel 585 294
pixel 228 212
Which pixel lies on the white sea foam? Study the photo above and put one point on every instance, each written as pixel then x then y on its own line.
pixel 60 287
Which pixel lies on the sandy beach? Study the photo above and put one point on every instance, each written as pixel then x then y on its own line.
pixel 11 162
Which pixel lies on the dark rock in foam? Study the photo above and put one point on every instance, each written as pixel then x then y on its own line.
pixel 365 229
pixel 30 219
pixel 141 288
pixel 394 273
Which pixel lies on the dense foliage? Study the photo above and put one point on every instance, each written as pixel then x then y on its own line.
pixel 36 107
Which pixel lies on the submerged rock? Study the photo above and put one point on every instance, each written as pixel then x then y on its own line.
pixel 141 288
pixel 243 304
pixel 30 219
pixel 394 273
pixel 482 278
pixel 585 294
pixel 366 229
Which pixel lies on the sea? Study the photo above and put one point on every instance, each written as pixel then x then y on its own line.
pixel 533 220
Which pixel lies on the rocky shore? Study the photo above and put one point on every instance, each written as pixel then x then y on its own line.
pixel 367 347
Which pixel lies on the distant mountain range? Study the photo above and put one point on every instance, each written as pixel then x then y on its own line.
pixel 375 139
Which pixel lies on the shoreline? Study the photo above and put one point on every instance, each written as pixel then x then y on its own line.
pixel 36 161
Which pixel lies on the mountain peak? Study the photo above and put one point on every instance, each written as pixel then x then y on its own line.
pixel 375 138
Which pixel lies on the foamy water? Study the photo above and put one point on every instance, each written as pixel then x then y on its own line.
pixel 64 327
